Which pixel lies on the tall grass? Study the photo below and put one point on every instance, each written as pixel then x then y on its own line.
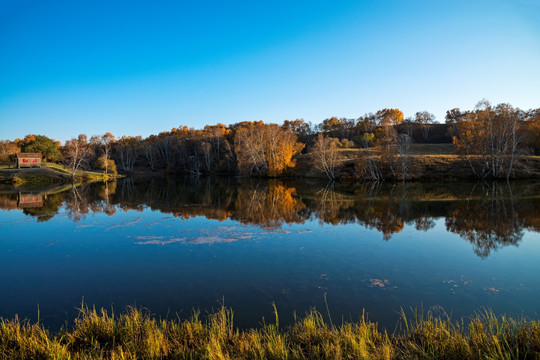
pixel 135 334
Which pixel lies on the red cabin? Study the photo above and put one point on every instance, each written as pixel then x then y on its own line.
pixel 28 160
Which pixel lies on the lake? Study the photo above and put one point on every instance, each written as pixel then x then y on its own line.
pixel 174 245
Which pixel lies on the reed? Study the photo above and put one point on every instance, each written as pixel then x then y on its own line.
pixel 135 334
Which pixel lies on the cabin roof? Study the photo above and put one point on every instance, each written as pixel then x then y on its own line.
pixel 29 155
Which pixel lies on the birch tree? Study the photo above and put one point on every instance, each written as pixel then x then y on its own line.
pixel 77 153
pixel 325 155
pixel 265 149
pixel 104 141
pixel 424 120
pixel 488 136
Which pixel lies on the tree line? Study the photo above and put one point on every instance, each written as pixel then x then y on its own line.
pixel 491 138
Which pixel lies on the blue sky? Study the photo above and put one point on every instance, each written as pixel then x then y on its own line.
pixel 139 68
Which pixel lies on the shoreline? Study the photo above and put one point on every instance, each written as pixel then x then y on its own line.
pixel 48 175
pixel 134 333
pixel 421 168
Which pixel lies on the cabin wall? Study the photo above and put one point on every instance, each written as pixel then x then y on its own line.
pixel 28 162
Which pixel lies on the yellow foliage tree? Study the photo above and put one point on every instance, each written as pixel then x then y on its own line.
pixel 265 149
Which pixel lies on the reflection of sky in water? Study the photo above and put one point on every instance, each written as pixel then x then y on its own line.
pixel 171 265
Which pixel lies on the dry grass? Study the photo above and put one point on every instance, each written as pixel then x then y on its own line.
pixel 432 149
pixel 134 334
pixel 431 162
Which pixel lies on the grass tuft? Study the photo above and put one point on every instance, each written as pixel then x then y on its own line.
pixel 135 334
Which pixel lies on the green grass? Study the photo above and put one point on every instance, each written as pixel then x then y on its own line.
pixel 82 174
pixel 134 334
pixel 50 173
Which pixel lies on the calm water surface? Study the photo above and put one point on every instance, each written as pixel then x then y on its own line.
pixel 178 244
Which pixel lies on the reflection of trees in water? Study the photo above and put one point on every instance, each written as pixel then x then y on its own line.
pixel 266 203
pixel 382 208
pixel 489 223
pixel 104 191
pixel 184 198
pixel 489 216
pixel 269 204
pixel 331 206
pixel 77 203
pixel 424 221
pixel 93 198
pixel 8 201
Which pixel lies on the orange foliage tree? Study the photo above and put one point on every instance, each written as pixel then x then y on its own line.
pixel 265 149
pixel 8 149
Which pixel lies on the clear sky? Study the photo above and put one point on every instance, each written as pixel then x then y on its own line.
pixel 142 67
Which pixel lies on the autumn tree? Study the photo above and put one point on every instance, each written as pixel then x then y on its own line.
pixel 531 127
pixel 148 149
pixel 389 117
pixel 77 153
pixel 104 142
pixel 265 149
pixel 48 148
pixel 8 149
pixel 216 134
pixel 338 127
pixel 281 146
pixel 364 124
pixel 249 146
pixel 108 166
pixel 489 138
pixel 325 155
pixel 126 150
pixel 387 120
pixel 303 130
pixel 453 117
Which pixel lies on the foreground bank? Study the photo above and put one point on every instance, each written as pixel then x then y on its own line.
pixel 136 335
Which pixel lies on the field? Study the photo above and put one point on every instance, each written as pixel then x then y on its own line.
pixel 430 162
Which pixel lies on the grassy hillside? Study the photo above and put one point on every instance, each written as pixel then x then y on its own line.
pixel 431 162
pixel 49 173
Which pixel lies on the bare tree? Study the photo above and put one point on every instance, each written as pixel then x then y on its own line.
pixel 368 164
pixel 409 126
pixel 325 155
pixel 104 142
pixel 425 120
pixel 125 151
pixel 403 147
pixel 206 149
pixel 76 153
pixel 249 148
